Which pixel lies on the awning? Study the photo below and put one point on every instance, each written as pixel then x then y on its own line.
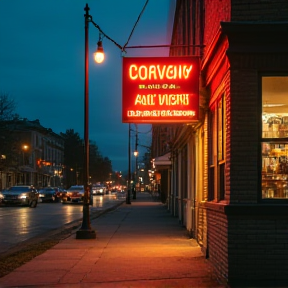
pixel 162 162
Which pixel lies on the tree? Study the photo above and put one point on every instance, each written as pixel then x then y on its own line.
pixel 7 107
pixel 99 167
pixel 7 141
pixel 73 157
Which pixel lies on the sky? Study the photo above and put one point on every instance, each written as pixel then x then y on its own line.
pixel 42 64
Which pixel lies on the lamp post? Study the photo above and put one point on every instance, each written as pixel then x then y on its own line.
pixel 86 232
pixel 128 198
pixel 2 165
pixel 136 164
pixel 24 149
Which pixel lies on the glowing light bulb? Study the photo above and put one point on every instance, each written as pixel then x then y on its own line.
pixel 99 55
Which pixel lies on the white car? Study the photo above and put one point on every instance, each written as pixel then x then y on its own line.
pixel 98 189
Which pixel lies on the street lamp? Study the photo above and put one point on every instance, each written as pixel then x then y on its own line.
pixel 2 159
pixel 86 232
pixel 136 164
pixel 128 201
pixel 99 55
pixel 24 149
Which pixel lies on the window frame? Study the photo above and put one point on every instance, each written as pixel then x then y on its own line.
pixel 271 140
pixel 217 131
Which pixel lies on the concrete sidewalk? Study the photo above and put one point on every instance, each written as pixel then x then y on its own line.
pixel 137 245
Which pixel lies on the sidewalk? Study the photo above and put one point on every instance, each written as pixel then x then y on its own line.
pixel 138 245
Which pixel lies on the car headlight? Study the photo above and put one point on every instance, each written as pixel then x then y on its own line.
pixel 1 196
pixel 101 190
pixel 23 196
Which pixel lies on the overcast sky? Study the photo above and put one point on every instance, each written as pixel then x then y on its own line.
pixel 42 64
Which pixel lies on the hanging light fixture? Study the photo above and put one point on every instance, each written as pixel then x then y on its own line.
pixel 99 53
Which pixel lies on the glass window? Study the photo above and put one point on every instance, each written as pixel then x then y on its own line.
pixel 217 140
pixel 220 130
pixel 221 135
pixel 211 147
pixel 274 146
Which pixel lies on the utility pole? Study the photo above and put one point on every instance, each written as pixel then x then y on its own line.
pixel 136 164
pixel 128 201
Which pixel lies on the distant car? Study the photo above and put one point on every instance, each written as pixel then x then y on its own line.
pixel 60 192
pixel 20 195
pixel 48 194
pixel 118 189
pixel 114 190
pixel 75 194
pixel 99 189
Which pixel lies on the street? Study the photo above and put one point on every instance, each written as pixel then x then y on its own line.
pixel 18 224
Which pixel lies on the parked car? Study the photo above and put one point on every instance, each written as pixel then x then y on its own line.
pixel 48 194
pixel 60 192
pixel 98 189
pixel 75 194
pixel 20 195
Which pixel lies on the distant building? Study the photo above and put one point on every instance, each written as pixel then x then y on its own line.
pixel 36 157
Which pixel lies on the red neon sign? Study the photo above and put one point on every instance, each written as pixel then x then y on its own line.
pixel 160 89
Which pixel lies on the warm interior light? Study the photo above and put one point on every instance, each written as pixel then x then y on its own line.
pixel 99 54
pixel 266 105
pixel 135 153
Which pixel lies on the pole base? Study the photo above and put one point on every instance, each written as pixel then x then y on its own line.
pixel 128 197
pixel 86 234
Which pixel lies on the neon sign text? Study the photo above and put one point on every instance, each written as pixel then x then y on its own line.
pixel 163 99
pixel 160 89
pixel 155 72
pixel 160 113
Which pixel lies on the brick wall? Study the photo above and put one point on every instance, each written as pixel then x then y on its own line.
pixel 249 245
pixel 215 11
pixel 259 10
pixel 244 137
pixel 258 247
pixel 217 227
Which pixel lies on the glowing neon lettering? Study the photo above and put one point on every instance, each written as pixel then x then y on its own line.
pixel 171 73
pixel 145 99
pixel 153 72
pixel 161 113
pixel 173 99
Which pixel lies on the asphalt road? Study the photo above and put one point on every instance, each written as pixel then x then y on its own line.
pixel 19 224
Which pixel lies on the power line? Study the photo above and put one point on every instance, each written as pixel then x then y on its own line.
pixel 132 31
pixel 135 24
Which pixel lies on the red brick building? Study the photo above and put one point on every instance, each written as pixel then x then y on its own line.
pixel 227 180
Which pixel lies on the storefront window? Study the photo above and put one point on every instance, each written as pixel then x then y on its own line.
pixel 274 137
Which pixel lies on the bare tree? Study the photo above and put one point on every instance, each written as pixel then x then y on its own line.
pixel 7 142
pixel 7 107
